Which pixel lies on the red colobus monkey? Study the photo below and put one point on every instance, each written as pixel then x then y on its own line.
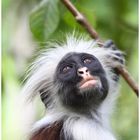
pixel 78 83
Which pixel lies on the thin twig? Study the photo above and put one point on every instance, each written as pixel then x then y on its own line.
pixel 83 21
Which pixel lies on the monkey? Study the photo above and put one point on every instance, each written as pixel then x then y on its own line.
pixel 78 83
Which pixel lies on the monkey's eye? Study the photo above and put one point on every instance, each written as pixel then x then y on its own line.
pixel 66 69
pixel 87 60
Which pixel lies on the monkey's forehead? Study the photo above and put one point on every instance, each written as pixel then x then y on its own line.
pixel 74 56
pixel 55 55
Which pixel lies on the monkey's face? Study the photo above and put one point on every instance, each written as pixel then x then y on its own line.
pixel 81 80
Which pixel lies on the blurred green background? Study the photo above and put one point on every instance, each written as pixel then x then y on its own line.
pixel 28 24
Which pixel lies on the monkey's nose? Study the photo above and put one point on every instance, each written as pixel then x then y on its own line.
pixel 83 72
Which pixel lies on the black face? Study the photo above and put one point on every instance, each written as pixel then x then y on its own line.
pixel 69 78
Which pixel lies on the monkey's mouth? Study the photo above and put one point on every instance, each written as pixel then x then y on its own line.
pixel 88 83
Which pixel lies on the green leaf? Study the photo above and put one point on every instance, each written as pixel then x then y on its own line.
pixel 44 19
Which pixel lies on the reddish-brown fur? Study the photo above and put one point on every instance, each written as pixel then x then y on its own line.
pixel 48 132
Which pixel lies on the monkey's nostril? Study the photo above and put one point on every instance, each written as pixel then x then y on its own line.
pixel 80 72
pixel 87 70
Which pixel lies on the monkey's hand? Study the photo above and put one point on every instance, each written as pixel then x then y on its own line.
pixel 115 57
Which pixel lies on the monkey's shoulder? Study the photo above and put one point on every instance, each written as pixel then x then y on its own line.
pixel 49 132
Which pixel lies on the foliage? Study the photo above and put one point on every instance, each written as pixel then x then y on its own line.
pixel 49 20
pixel 44 19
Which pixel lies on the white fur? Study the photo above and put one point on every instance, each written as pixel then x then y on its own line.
pixel 43 70
pixel 86 129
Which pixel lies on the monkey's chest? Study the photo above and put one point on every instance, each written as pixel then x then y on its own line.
pixel 85 130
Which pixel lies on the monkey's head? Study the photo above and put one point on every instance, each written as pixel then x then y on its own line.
pixel 75 75
pixel 81 80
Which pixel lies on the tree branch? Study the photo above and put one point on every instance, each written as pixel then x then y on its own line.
pixel 83 21
pixel 129 79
